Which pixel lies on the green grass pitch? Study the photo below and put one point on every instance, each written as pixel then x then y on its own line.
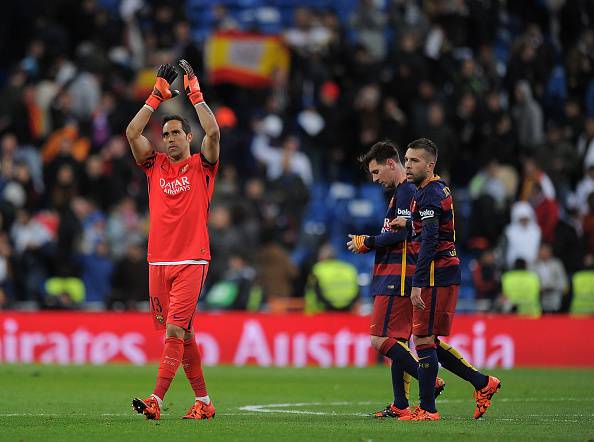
pixel 47 403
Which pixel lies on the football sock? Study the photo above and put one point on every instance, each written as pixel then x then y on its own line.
pixel 400 353
pixel 170 360
pixel 452 360
pixel 428 366
pixel 192 363
pixel 400 399
pixel 204 399
pixel 404 365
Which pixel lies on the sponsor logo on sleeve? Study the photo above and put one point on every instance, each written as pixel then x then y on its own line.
pixel 403 212
pixel 427 213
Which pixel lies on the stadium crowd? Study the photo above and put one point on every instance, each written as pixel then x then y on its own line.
pixel 504 88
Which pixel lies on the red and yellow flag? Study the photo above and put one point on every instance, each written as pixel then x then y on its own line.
pixel 245 59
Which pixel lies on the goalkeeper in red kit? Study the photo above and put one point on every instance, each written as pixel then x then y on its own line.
pixel 180 187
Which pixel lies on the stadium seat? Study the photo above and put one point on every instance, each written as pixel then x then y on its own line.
pixel 583 293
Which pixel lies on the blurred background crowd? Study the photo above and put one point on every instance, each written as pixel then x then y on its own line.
pixel 504 88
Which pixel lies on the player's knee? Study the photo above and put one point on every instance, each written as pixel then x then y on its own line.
pixel 175 331
pixel 377 341
pixel 424 340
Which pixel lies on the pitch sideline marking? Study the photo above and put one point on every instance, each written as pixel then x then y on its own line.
pixel 279 408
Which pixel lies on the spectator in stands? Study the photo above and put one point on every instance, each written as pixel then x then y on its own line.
pixel 588 225
pixel 236 290
pixel 521 290
pixel 528 117
pixel 225 236
pixel 97 270
pixel 124 226
pixel 130 279
pixel 276 273
pixel 546 211
pixel 369 23
pixel 533 174
pixel 559 160
pixel 486 278
pixel 570 241
pixel 444 135
pixel 584 189
pixel 33 247
pixel 586 144
pixel 332 284
pixel 522 236
pixel 6 283
pixel 554 284
pixel 280 160
pixel 489 204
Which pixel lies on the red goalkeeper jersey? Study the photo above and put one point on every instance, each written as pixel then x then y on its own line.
pixel 179 201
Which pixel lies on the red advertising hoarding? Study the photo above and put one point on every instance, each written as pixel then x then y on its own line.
pixel 329 340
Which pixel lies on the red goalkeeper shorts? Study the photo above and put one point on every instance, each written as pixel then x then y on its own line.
pixel 174 291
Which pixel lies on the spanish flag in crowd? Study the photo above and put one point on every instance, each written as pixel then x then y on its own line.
pixel 245 59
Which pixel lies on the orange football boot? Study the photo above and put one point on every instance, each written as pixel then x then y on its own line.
pixel 149 407
pixel 439 386
pixel 418 414
pixel 392 410
pixel 484 395
pixel 200 411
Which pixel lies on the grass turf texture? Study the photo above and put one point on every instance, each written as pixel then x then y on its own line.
pixel 46 403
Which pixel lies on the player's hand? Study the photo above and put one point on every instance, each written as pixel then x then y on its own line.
pixel 415 298
pixel 166 75
pixel 191 84
pixel 398 223
pixel 357 244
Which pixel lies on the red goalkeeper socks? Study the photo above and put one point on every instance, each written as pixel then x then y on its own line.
pixel 170 360
pixel 192 363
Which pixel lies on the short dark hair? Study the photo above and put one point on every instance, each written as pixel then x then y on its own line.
pixel 380 152
pixel 185 124
pixel 425 144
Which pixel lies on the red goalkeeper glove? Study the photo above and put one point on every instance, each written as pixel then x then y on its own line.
pixel 357 244
pixel 161 91
pixel 191 84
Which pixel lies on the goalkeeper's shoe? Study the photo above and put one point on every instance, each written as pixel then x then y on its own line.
pixel 418 414
pixel 484 395
pixel 393 411
pixel 149 407
pixel 200 411
pixel 439 386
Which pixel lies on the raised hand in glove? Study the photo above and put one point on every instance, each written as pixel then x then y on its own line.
pixel 162 89
pixel 191 84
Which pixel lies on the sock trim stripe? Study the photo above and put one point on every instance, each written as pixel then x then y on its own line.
pixel 456 354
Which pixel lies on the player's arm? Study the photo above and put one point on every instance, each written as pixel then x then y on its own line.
pixel 390 238
pixel 366 243
pixel 211 147
pixel 141 148
pixel 429 241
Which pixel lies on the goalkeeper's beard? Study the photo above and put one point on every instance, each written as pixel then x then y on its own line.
pixel 176 153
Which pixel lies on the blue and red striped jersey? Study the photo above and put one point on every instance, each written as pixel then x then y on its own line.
pixel 433 236
pixel 392 249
